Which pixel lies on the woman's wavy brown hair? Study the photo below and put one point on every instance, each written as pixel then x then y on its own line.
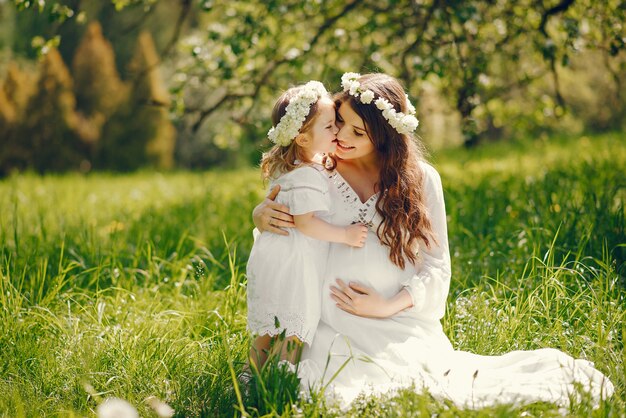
pixel 401 201
pixel 280 160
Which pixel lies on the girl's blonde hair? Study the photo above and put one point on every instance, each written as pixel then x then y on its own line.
pixel 282 159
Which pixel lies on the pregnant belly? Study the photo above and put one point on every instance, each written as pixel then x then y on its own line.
pixel 369 266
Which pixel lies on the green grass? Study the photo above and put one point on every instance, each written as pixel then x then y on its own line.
pixel 132 285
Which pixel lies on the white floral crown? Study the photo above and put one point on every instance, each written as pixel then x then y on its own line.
pixel 298 108
pixel 401 122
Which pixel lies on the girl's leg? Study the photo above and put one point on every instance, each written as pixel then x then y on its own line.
pixel 264 346
pixel 259 351
pixel 291 350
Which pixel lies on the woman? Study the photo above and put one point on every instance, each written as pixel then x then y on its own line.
pixel 382 304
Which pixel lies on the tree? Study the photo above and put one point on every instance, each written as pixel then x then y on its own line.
pixel 490 58
pixel 7 126
pixel 49 130
pixel 14 94
pixel 18 88
pixel 504 67
pixel 7 112
pixel 140 132
pixel 97 84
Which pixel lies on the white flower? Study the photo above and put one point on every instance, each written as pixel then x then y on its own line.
pixel 402 123
pixel 116 408
pixel 298 108
pixel 409 105
pixel 410 121
pixel 367 96
pixel 347 79
pixel 292 54
pixel 162 409
pixel 354 88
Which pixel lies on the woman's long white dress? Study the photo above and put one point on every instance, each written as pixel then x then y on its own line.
pixel 354 354
pixel 284 271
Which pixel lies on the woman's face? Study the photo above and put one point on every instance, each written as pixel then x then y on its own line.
pixel 353 142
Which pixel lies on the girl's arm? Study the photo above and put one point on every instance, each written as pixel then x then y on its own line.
pixel 310 225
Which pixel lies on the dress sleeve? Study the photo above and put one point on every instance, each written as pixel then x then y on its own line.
pixel 306 190
pixel 430 285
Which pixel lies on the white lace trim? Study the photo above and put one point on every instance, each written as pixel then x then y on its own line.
pixel 366 213
pixel 292 323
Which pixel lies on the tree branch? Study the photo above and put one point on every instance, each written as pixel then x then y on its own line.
pixel 206 112
pixel 328 23
pixel 405 67
pixel 561 7
pixel 182 17
pixel 331 21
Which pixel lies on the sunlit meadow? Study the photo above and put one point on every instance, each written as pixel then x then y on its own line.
pixel 133 286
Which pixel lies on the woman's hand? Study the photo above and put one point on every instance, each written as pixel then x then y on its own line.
pixel 361 300
pixel 271 216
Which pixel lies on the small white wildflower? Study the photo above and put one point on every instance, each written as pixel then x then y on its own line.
pixel 116 408
pixel 292 54
pixel 162 409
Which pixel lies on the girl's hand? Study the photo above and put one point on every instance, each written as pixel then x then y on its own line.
pixel 355 235
pixel 361 300
pixel 271 216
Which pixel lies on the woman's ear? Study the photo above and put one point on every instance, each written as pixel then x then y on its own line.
pixel 303 140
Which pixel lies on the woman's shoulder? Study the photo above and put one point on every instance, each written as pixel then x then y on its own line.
pixel 432 179
pixel 427 167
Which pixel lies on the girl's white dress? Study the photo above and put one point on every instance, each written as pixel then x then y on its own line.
pixel 284 272
pixel 378 355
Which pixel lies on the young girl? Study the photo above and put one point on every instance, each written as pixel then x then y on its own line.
pixel 284 272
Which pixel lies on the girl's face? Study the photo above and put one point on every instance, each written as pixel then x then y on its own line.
pixel 323 131
pixel 353 142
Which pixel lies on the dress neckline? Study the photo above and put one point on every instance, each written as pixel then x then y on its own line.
pixel 356 195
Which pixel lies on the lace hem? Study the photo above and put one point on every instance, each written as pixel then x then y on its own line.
pixel 293 325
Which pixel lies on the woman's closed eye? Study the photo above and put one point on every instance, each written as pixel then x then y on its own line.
pixel 357 133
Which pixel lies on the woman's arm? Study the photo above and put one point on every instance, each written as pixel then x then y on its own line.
pixel 310 225
pixel 430 285
pixel 271 216
pixel 364 301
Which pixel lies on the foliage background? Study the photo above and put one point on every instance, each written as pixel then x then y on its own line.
pixel 489 70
